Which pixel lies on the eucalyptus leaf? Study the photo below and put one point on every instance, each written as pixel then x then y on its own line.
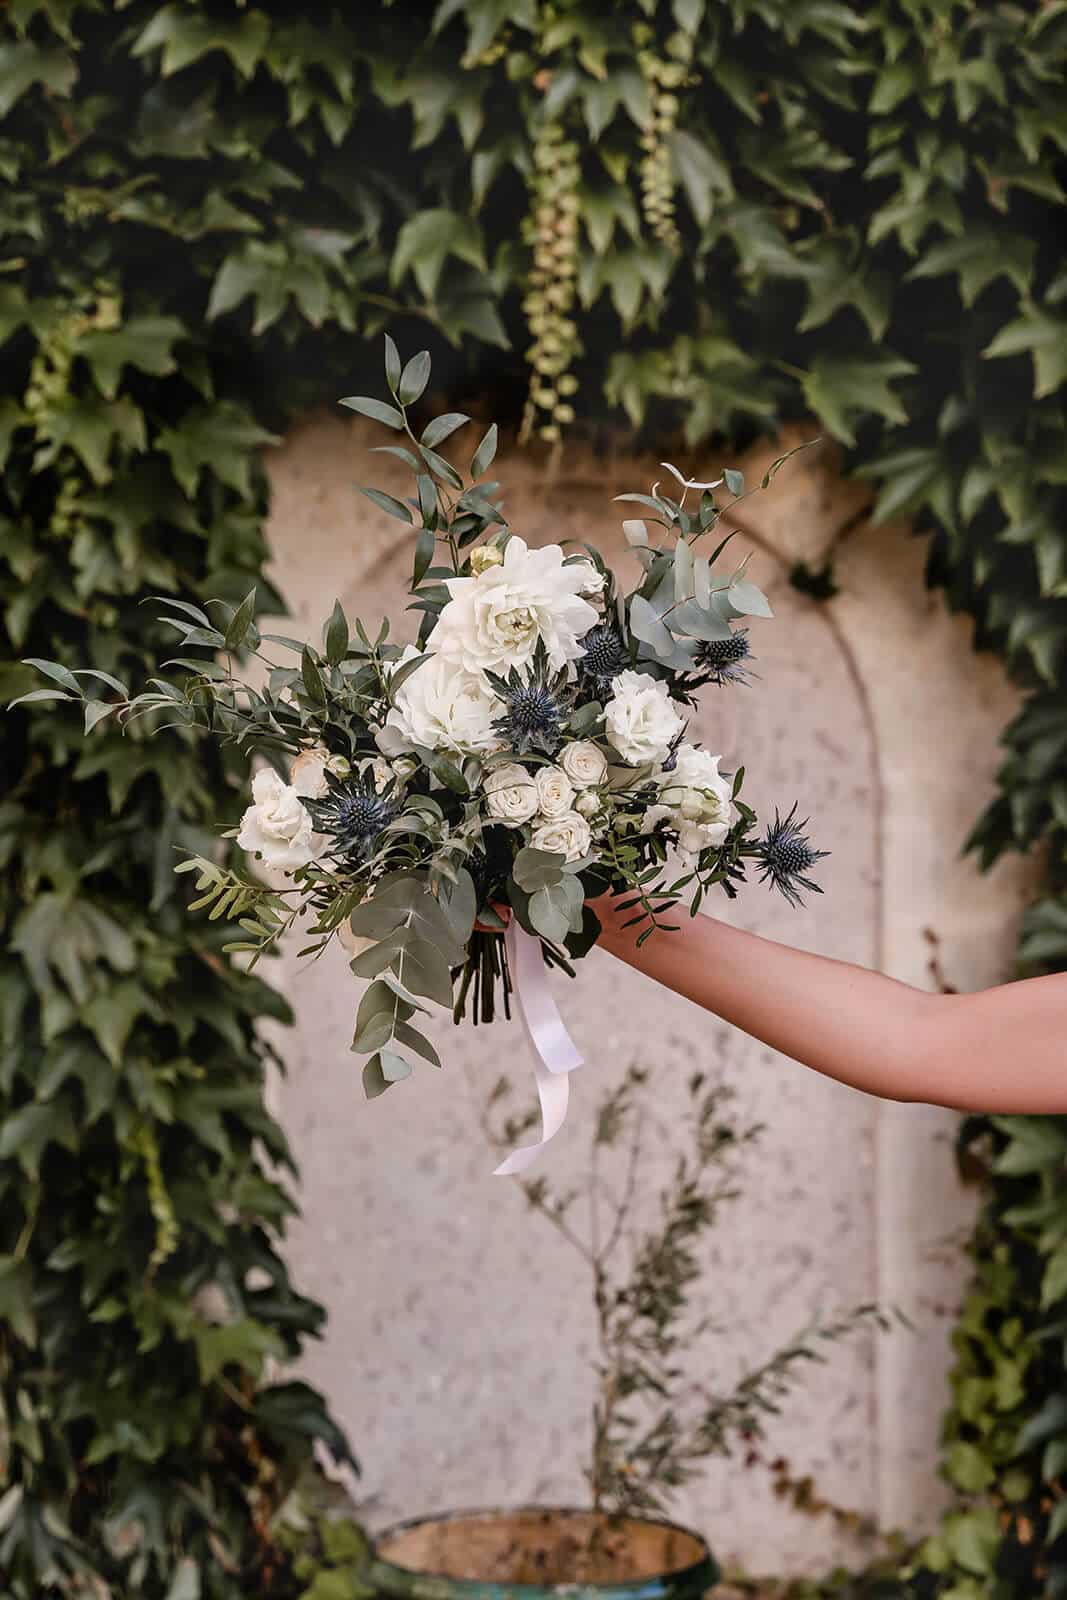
pixel 537 869
pixel 647 625
pixel 394 1066
pixel 749 601
pixel 424 971
pixel 409 1036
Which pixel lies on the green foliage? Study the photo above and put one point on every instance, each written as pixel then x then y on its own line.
pixel 851 207
pixel 653 1427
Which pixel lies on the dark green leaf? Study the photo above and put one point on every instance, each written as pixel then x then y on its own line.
pixel 415 377
pixel 377 409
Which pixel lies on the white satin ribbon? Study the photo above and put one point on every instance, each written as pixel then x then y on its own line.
pixel 555 1052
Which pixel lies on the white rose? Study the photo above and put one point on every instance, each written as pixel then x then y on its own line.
pixel 640 718
pixel 495 619
pixel 588 803
pixel 308 772
pixel 555 792
pixel 568 835
pixel 277 826
pixel 584 763
pixel 443 707
pixel 510 795
pixel 695 799
pixel 381 772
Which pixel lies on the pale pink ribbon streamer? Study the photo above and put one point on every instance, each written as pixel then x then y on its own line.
pixel 555 1052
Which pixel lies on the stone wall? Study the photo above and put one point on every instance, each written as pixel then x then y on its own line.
pixel 460 1336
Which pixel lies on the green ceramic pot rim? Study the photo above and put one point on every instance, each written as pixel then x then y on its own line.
pixel 392 1577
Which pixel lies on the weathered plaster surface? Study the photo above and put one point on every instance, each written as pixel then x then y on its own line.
pixel 460 1334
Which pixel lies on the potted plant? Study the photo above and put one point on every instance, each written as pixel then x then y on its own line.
pixel 652 1426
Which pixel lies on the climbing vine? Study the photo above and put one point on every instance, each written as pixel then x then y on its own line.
pixel 708 217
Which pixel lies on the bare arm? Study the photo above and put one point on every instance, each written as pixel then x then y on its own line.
pixel 1002 1049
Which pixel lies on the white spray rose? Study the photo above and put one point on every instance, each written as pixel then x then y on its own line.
pixel 588 803
pixel 640 718
pixel 695 799
pixel 308 772
pixel 276 825
pixel 568 835
pixel 443 707
pixel 510 795
pixel 584 763
pixel 484 556
pixel 555 793
pixel 494 620
pixel 381 772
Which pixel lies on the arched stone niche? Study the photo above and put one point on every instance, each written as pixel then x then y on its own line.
pixel 460 1338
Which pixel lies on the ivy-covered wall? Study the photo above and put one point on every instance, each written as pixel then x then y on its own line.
pixel 677 216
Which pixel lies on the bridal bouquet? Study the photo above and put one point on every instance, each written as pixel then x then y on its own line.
pixel 528 748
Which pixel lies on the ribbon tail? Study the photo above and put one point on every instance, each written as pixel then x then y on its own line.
pixel 555 1052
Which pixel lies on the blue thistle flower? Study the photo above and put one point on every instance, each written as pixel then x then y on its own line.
pixel 353 813
pixel 721 659
pixel 605 657
pixel 536 704
pixel 785 856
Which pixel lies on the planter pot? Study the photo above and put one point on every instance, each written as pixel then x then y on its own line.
pixel 539 1551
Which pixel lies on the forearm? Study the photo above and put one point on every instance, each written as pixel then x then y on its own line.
pixel 1002 1049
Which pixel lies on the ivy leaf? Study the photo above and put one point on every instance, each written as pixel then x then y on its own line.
pixel 426 240
pixel 184 37
pixel 91 428
pixel 1045 337
pixel 977 258
pixel 840 391
pixel 223 439
pixel 23 64
pixel 27 1133
pixel 703 174
pixel 16 1298
pixel 244 1344
pixel 142 342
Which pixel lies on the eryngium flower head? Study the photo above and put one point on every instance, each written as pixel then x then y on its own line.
pixel 353 814
pixel 535 705
pixel 722 659
pixel 785 856
pixel 605 657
